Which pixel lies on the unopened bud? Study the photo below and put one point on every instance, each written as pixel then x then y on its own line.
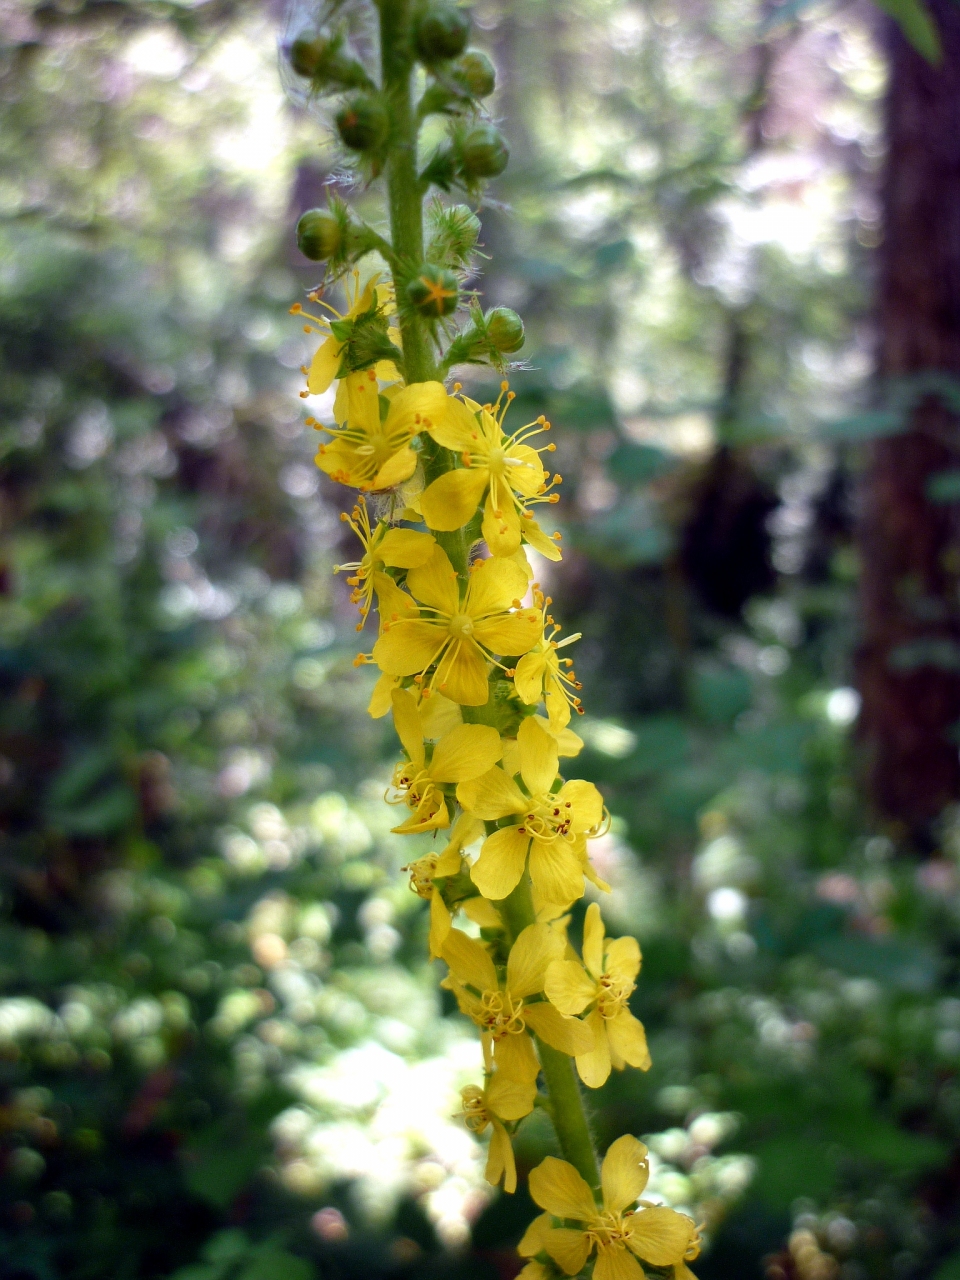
pixel 363 123
pixel 441 33
pixel 319 235
pixel 434 291
pixel 476 73
pixel 483 153
pixel 309 53
pixel 504 329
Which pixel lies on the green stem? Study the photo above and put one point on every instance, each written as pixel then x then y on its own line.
pixel 566 1101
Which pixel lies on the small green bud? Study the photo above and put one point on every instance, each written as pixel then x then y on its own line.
pixel 441 32
pixel 309 53
pixel 504 329
pixel 434 291
pixel 483 153
pixel 475 72
pixel 319 235
pixel 454 232
pixel 363 123
pixel 441 168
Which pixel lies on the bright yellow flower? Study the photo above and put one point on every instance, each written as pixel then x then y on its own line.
pixel 457 637
pixel 433 866
pixel 382 546
pixel 500 1099
pixel 603 983
pixel 539 674
pixel 553 826
pixel 463 753
pixel 326 360
pixel 371 454
pixel 618 1234
pixel 502 1010
pixel 503 467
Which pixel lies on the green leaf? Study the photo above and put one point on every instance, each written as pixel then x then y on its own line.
pixel 865 426
pixel 271 1263
pixel 949 1269
pixel 905 966
pixel 914 20
pixel 944 487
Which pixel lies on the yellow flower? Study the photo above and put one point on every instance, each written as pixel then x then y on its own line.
pixel 500 1099
pixel 503 1011
pixel 432 866
pixel 603 984
pixel 464 752
pixel 456 636
pixel 553 826
pixel 371 454
pixel 503 467
pixel 382 546
pixel 539 674
pixel 618 1234
pixel 326 360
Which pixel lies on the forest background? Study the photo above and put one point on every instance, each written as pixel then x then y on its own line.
pixel 221 1054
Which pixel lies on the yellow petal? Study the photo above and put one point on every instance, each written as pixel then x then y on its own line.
pixel 450 501
pixel 466 829
pixel 416 408
pixel 438 715
pixel 410 646
pixel 397 468
pixel 535 947
pixel 392 603
pixel 623 959
pixel 558 707
pixel 540 542
pixel 323 367
pixel 405 548
pixel 469 962
pixel 556 1186
pixel 510 1099
pixel 406 721
pixel 538 757
pixel 481 912
pixel 491 796
pixel 363 402
pixel 568 987
pixel 457 428
pixel 593 934
pixel 535 1236
pixel 660 1236
pixel 493 587
pixel 500 1161
pixel 624 1174
pixel 501 532
pixel 535 1271
pixel 511 757
pixel 568 743
pixel 628 1039
pixel 380 700
pixel 556 871
pixel 569 1035
pixel 462 674
pixel 616 1263
pixel 511 634
pixel 497 871
pixel 593 1067
pixel 569 1249
pixel 587 803
pixel 515 1057
pixel 435 583
pixel 526 474
pixel 528 680
pixel 465 752
pixel 440 924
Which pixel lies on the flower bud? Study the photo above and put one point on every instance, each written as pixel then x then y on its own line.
pixel 475 72
pixel 504 329
pixel 483 153
pixel 319 235
pixel 363 123
pixel 434 291
pixel 309 53
pixel 441 32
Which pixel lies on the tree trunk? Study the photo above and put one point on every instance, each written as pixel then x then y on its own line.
pixel 909 661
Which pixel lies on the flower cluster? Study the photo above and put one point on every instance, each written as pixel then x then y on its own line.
pixel 468 653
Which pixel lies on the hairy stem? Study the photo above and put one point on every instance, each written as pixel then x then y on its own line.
pixel 563 1089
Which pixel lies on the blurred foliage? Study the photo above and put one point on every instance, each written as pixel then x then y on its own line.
pixel 221 1055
